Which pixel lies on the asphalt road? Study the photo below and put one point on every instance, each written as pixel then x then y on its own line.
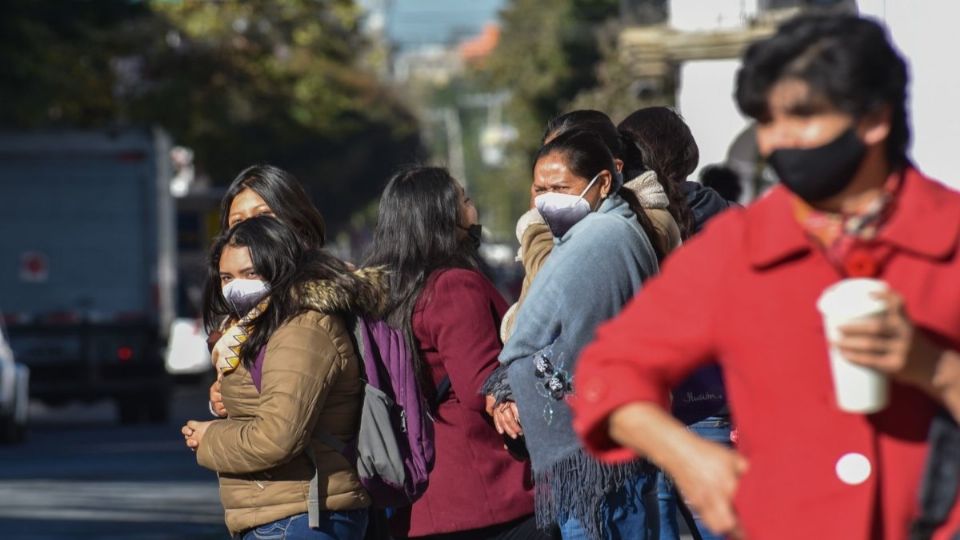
pixel 81 475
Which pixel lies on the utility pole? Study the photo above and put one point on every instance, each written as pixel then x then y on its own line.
pixel 456 160
pixel 449 116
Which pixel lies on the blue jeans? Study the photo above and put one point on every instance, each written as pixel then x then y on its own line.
pixel 623 514
pixel 713 428
pixel 346 525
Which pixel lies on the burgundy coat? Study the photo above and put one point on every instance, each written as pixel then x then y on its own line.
pixel 475 483
pixel 745 292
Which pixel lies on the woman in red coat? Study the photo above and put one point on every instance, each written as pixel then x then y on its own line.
pixel 829 95
pixel 426 236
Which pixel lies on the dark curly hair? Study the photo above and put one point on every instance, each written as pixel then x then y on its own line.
pixel 846 60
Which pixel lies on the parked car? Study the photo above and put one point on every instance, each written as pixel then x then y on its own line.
pixel 14 394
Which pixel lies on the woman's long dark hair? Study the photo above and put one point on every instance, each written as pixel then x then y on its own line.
pixel 657 139
pixel 281 260
pixel 586 155
pixel 285 196
pixel 586 120
pixel 416 234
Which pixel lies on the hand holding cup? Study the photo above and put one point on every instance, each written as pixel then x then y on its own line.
pixel 856 304
pixel 891 344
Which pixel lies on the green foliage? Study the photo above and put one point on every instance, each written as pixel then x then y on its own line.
pixel 546 56
pixel 619 91
pixel 56 60
pixel 239 82
pixel 553 57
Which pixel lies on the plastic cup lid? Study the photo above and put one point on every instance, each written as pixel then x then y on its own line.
pixel 853 298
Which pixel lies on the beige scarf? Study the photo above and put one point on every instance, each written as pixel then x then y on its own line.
pixel 226 353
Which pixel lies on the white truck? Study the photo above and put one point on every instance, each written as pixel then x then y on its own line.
pixel 88 264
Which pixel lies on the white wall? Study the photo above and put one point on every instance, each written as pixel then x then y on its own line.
pixel 924 30
pixel 705 99
pixel 692 15
pixel 926 33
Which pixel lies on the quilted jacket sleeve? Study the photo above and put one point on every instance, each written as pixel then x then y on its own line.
pixel 301 364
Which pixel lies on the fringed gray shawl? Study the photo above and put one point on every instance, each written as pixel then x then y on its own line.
pixel 596 267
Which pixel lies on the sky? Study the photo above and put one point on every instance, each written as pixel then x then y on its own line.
pixel 412 23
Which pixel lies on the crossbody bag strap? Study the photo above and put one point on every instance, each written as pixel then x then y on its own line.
pixel 443 390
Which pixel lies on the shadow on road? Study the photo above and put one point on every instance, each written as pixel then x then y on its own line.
pixel 80 475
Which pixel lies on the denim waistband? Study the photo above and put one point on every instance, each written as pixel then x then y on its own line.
pixel 713 421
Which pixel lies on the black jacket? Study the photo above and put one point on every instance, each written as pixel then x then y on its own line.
pixel 704 203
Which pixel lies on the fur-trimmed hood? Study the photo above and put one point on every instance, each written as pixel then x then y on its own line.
pixel 367 295
pixel 649 191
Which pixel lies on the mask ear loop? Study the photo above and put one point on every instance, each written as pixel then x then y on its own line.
pixel 590 185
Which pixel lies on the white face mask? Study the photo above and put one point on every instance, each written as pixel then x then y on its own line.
pixel 243 294
pixel 562 211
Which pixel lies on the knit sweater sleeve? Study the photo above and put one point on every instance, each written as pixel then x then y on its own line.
pixel 301 364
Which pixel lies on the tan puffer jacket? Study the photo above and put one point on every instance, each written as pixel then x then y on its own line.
pixel 310 386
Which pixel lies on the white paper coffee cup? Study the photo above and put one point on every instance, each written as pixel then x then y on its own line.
pixel 858 389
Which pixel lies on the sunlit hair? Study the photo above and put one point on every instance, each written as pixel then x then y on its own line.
pixel 586 120
pixel 417 234
pixel 585 155
pixel 281 260
pixel 286 197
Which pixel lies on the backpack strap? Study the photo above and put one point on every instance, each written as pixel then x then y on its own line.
pixel 331 441
pixel 357 337
pixel 313 496
pixel 443 387
pixel 687 516
pixel 443 390
pixel 256 369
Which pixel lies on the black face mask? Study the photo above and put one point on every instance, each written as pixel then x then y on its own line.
pixel 474 234
pixel 816 174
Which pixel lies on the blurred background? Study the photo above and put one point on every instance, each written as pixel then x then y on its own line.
pixel 122 122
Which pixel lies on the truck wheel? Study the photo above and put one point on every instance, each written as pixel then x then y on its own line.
pixel 128 410
pixel 157 409
pixel 153 408
pixel 19 433
pixel 11 431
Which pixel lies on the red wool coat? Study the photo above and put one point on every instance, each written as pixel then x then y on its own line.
pixel 745 292
pixel 474 483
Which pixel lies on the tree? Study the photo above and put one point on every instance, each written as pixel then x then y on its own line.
pixel 57 61
pixel 546 57
pixel 239 82
pixel 555 59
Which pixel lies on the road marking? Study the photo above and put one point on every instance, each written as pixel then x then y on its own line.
pixel 174 502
